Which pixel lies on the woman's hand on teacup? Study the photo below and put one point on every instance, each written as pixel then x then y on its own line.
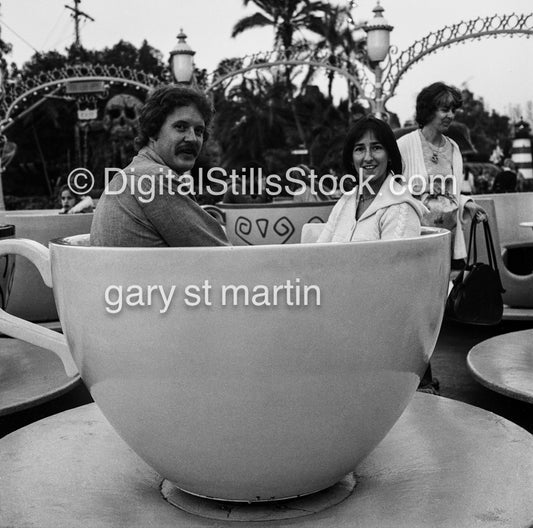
pixel 476 211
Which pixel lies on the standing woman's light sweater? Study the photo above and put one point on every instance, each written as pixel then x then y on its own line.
pixel 410 147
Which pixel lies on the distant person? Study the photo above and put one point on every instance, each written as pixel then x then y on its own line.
pixel 506 180
pixel 483 182
pixel 150 209
pixel 72 203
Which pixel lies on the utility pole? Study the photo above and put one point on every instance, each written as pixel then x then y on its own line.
pixel 77 15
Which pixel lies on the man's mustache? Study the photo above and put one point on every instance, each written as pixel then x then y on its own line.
pixel 188 149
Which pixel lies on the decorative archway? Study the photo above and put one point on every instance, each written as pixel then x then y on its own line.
pixel 378 83
pixel 298 55
pixel 475 29
pixel 79 82
pixel 26 93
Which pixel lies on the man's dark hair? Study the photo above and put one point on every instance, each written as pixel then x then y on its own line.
pixel 433 97
pixel 384 135
pixel 162 102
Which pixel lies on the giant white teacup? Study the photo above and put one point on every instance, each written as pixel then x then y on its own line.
pixel 249 402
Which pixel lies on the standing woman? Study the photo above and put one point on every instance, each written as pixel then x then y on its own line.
pixel 431 156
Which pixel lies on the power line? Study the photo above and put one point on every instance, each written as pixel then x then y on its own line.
pixel 20 37
pixel 62 34
pixel 58 20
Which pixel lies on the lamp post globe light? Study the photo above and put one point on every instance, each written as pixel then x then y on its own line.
pixel 181 60
pixel 378 32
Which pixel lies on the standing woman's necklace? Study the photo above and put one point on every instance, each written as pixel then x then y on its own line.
pixel 436 150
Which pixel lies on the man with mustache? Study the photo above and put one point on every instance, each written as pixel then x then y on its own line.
pixel 144 204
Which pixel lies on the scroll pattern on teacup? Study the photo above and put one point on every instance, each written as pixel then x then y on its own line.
pixel 281 231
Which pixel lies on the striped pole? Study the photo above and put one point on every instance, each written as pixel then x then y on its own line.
pixel 521 150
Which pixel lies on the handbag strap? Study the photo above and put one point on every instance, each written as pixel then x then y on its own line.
pixel 491 252
pixel 471 258
pixel 472 249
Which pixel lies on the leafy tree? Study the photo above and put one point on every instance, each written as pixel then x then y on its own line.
pixel 44 139
pixel 125 54
pixel 5 49
pixel 79 54
pixel 254 123
pixel 250 119
pixel 150 59
pixel 486 129
pixel 41 62
pixel 121 54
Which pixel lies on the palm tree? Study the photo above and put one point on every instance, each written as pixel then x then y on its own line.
pixel 285 16
pixel 345 44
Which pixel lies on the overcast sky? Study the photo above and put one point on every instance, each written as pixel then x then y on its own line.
pixel 499 70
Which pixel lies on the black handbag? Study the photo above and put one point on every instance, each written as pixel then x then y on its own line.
pixel 476 296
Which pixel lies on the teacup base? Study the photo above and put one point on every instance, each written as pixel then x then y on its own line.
pixel 272 510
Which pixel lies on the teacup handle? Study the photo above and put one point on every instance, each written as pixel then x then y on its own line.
pixel 32 333
pixel 217 213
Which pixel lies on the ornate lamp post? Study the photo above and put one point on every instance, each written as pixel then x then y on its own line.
pixel 378 32
pixel 181 60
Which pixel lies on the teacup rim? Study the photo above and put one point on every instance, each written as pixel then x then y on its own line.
pixel 426 234
pixel 275 205
pixel 42 212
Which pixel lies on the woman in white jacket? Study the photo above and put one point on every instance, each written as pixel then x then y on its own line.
pixel 380 206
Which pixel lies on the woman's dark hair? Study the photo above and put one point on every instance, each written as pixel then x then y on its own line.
pixel 384 135
pixel 433 97
pixel 163 102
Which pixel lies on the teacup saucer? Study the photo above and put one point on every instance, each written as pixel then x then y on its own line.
pixel 29 376
pixel 444 464
pixel 503 364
